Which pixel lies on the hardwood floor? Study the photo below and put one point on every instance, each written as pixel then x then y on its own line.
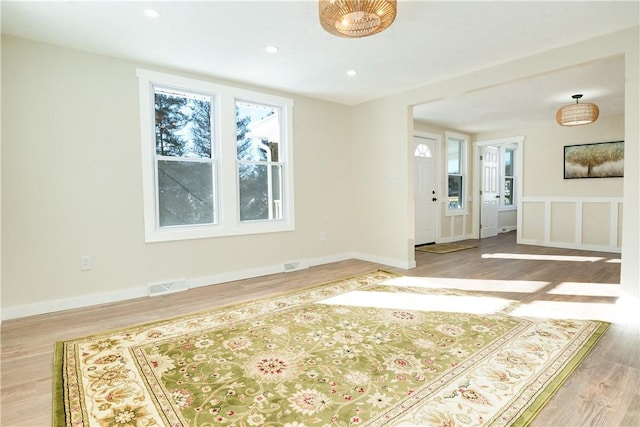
pixel 603 391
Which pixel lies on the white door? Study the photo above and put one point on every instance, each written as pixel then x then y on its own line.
pixel 424 184
pixel 490 197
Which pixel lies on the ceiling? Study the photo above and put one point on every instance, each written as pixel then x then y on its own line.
pixel 428 42
pixel 534 100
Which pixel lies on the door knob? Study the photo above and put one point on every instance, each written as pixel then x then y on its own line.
pixel 434 199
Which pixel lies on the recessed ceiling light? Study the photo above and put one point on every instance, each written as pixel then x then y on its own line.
pixel 151 13
pixel 351 73
pixel 271 49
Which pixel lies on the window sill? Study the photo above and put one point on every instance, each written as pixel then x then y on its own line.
pixel 189 233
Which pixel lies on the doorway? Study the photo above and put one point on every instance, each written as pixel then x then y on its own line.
pixel 425 187
pixel 499 165
pixel 490 192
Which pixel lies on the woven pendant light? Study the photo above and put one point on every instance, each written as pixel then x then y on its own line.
pixel 356 18
pixel 577 114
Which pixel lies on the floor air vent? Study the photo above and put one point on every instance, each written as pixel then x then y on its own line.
pixel 294 266
pixel 167 288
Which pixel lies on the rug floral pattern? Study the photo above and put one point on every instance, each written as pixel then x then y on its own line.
pixel 293 361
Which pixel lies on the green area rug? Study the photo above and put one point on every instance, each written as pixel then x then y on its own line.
pixel 310 358
pixel 444 248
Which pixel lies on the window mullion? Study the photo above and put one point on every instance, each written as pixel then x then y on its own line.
pixel 228 176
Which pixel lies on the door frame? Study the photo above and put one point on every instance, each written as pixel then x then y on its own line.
pixel 437 183
pixel 518 141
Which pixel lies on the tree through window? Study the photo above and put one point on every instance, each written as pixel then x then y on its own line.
pixel 185 170
pixel 259 166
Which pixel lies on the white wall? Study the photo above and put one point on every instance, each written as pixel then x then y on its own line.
pixel 383 211
pixel 71 186
pixel 630 271
pixel 1 185
pixel 380 124
pixel 544 157
pixel 507 220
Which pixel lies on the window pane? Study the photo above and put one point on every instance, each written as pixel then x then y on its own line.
pixel 260 191
pixel 185 193
pixel 276 191
pixel 454 156
pixel 258 152
pixel 455 192
pixel 508 191
pixel 508 163
pixel 182 124
pixel 257 131
pixel 423 150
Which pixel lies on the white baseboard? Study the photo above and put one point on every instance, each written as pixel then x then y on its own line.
pixel 233 276
pixel 74 302
pixel 456 238
pixel 18 311
pixel 563 245
pixel 392 262
pixel 261 271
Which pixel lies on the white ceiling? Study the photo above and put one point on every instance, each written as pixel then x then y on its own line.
pixel 534 100
pixel 429 41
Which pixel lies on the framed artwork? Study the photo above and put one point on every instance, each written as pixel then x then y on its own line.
pixel 599 160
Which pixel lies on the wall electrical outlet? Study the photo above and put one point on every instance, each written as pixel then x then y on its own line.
pixel 323 236
pixel 85 263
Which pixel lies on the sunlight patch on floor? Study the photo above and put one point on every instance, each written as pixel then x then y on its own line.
pixel 622 308
pixel 519 286
pixel 535 257
pixel 409 301
pixel 586 289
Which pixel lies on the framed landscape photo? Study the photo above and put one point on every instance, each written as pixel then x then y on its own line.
pixel 599 160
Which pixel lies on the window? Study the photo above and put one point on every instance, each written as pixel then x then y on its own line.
pixel 184 167
pixel 456 171
pixel 508 188
pixel 259 168
pixel 217 160
pixel 423 150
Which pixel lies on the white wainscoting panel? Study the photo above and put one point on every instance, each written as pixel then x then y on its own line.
pixel 571 222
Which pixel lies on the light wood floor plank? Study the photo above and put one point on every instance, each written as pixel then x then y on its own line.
pixel 603 391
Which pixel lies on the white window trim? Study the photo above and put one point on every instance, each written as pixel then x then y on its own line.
pixel 228 216
pixel 502 207
pixel 465 173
